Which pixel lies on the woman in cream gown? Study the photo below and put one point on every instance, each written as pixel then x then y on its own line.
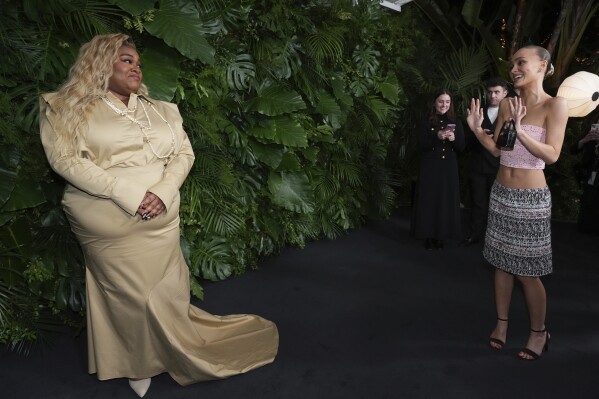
pixel 123 169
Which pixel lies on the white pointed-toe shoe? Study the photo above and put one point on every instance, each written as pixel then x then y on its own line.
pixel 140 386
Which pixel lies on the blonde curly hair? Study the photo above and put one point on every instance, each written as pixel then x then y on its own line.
pixel 87 81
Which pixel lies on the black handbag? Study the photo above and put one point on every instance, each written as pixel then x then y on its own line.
pixel 507 136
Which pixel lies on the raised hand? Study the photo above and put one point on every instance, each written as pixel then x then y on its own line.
pixel 517 110
pixel 475 115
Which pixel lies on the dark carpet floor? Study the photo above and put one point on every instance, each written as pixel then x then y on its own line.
pixel 373 315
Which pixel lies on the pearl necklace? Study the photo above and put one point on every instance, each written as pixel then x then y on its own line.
pixel 144 127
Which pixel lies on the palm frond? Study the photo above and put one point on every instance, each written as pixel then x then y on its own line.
pixel 325 45
pixel 221 218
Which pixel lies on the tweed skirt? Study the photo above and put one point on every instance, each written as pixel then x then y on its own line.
pixel 518 238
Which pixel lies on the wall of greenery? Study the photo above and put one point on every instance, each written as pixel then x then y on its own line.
pixel 301 114
pixel 290 108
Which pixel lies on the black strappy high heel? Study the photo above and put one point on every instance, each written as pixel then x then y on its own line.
pixel 497 341
pixel 535 355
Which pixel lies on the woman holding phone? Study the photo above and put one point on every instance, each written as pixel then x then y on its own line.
pixel 436 213
pixel 518 237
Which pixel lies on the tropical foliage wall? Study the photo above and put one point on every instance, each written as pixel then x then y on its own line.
pixel 290 108
pixel 301 114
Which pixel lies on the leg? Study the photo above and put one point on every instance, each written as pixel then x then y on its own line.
pixel 536 302
pixel 504 285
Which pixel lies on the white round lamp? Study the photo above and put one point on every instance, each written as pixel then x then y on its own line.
pixel 581 91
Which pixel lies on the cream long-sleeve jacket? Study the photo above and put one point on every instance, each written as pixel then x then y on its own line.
pixel 113 141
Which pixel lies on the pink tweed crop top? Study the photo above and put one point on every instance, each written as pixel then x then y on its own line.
pixel 519 157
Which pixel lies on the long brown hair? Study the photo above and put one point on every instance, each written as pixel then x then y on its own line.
pixel 87 81
pixel 433 117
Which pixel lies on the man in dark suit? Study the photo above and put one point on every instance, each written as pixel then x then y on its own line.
pixel 483 166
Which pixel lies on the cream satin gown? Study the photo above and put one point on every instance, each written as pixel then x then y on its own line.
pixel 139 319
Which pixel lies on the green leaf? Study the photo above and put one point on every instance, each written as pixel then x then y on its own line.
pixel 161 70
pixel 134 7
pixel 366 60
pixel 389 88
pixel 290 162
pixel 360 87
pixel 196 288
pixel 326 104
pixel 471 12
pixel 323 133
pixel 178 24
pixel 325 44
pixel 292 191
pixel 221 219
pixel 341 93
pixel 212 260
pixel 26 194
pixel 281 130
pixel 241 71
pixel 310 153
pixel 289 132
pixel 379 108
pixel 270 154
pixel 275 100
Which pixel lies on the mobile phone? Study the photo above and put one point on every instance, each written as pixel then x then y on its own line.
pixel 450 126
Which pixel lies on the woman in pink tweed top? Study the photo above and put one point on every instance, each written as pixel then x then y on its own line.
pixel 518 237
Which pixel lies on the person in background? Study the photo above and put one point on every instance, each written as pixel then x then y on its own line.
pixel 437 201
pixel 588 175
pixel 124 157
pixel 483 166
pixel 518 237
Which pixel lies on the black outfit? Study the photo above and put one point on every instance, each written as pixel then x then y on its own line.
pixel 482 170
pixel 588 217
pixel 436 213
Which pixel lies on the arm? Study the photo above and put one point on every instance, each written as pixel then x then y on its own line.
pixel 475 119
pixel 83 173
pixel 556 120
pixel 163 194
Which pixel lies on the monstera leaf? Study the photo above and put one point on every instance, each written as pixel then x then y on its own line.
pixel 161 70
pixel 240 72
pixel 275 100
pixel 366 59
pixel 212 260
pixel 291 190
pixel 178 23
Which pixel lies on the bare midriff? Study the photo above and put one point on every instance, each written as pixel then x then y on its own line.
pixel 520 178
